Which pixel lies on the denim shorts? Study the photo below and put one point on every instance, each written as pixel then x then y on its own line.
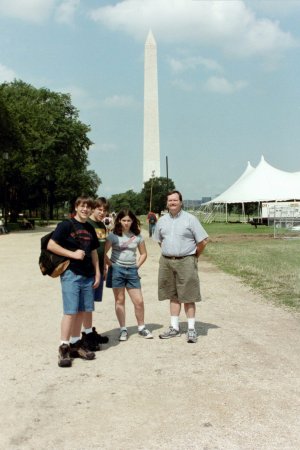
pixel 77 292
pixel 98 292
pixel 120 277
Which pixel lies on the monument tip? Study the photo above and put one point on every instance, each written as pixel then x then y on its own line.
pixel 150 37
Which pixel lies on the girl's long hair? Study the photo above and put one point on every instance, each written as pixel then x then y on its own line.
pixel 135 226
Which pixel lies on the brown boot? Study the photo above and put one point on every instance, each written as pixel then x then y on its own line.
pixel 80 350
pixel 64 359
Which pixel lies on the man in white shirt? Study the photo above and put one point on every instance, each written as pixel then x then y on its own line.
pixel 182 238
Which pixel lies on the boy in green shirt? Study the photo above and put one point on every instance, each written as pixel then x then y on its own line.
pixel 99 212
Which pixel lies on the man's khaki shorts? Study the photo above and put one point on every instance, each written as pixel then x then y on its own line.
pixel 178 279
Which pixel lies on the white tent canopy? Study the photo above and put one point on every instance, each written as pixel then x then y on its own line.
pixel 261 184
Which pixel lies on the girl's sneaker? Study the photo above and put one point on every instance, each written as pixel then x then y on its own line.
pixel 145 333
pixel 123 335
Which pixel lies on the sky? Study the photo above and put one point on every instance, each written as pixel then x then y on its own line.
pixel 228 82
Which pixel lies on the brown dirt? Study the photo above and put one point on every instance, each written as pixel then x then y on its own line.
pixel 237 388
pixel 240 237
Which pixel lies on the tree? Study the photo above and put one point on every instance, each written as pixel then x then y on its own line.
pixel 51 161
pixel 129 200
pixel 10 142
pixel 156 189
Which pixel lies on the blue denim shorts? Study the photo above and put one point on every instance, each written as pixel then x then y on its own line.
pixel 98 292
pixel 77 292
pixel 119 277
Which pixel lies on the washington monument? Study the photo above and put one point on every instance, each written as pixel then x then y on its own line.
pixel 151 119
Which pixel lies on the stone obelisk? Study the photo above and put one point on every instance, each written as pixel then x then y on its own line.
pixel 151 117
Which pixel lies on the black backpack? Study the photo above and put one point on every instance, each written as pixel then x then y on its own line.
pixel 50 263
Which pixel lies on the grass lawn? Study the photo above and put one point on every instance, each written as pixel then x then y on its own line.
pixel 271 266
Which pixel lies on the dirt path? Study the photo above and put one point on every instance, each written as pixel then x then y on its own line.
pixel 237 388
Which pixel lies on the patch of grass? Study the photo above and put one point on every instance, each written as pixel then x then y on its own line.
pixel 270 266
pixel 236 228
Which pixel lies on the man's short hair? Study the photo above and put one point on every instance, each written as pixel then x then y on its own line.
pixel 175 192
pixel 82 199
pixel 101 202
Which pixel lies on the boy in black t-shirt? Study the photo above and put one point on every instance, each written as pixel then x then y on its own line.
pixel 77 241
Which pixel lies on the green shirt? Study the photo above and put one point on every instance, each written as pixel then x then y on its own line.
pixel 101 233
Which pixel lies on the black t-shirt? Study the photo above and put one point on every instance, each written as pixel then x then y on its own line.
pixel 77 235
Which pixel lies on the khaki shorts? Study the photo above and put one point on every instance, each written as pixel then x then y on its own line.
pixel 178 279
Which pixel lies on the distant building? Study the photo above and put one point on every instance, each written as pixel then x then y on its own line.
pixel 205 199
pixel 191 204
pixel 194 204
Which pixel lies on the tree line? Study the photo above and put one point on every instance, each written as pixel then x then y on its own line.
pixel 44 156
pixel 44 149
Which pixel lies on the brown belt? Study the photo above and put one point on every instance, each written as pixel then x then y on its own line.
pixel 176 257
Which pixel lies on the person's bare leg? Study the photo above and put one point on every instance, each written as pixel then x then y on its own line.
pixel 66 326
pixel 119 294
pixel 77 324
pixel 175 307
pixel 87 319
pixel 138 303
pixel 190 310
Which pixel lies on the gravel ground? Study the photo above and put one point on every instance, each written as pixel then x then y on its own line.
pixel 237 388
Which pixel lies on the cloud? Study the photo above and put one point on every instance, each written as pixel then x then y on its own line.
pixel 192 63
pixel 221 85
pixel 6 74
pixel 29 10
pixel 275 8
pixel 81 98
pixel 230 26
pixel 182 85
pixel 120 101
pixel 106 147
pixel 37 11
pixel 66 10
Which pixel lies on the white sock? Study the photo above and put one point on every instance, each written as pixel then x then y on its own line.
pixel 123 328
pixel 73 340
pixel 64 342
pixel 88 330
pixel 175 322
pixel 191 323
pixel 141 327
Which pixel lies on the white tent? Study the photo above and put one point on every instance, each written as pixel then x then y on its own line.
pixel 230 191
pixel 261 184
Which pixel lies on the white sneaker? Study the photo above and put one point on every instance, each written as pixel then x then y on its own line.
pixel 191 336
pixel 123 335
pixel 145 333
pixel 170 333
